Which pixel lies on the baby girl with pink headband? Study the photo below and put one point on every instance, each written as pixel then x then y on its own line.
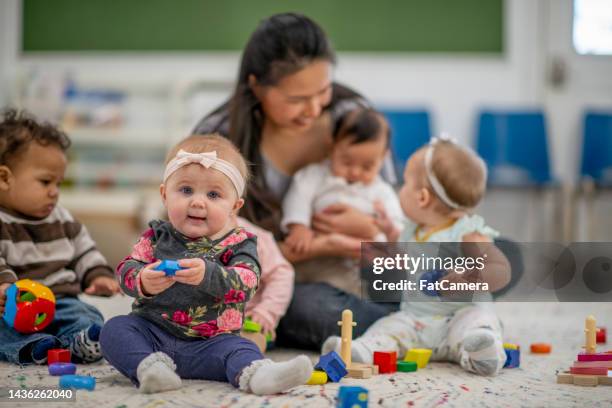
pixel 188 325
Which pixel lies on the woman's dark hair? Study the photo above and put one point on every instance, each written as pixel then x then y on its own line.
pixel 280 45
pixel 363 125
pixel 18 130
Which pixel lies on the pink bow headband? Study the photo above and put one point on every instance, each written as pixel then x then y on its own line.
pixel 207 160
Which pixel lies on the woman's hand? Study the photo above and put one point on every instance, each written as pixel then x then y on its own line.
pixel 325 245
pixel 153 282
pixel 344 219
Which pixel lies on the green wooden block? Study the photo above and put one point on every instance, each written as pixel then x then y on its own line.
pixel 406 366
pixel 251 326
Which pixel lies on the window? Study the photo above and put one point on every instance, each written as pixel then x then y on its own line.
pixel 593 27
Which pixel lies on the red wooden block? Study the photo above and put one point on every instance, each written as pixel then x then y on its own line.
pixel 600 364
pixel 58 356
pixel 595 357
pixel 386 361
pixel 600 336
pixel 589 370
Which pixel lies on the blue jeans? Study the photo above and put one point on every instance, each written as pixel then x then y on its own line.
pixel 314 313
pixel 71 316
pixel 127 340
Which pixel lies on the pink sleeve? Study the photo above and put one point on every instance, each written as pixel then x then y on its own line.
pixel 276 284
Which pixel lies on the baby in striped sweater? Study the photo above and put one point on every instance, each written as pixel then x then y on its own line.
pixel 40 240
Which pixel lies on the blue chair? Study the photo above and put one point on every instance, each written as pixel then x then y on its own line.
pixel 597 149
pixel 515 147
pixel 410 129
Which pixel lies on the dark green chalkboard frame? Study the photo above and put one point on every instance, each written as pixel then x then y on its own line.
pixel 438 26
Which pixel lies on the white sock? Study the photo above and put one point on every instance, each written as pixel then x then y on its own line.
pixel 484 352
pixel 265 377
pixel 359 352
pixel 156 374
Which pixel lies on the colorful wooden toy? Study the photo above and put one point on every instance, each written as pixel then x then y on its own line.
pixel 511 346
pixel 346 333
pixel 600 336
pixel 62 368
pixel 592 368
pixel 419 356
pixel 29 307
pixel 540 348
pixel 58 356
pixel 386 361
pixel 251 326
pixel 513 358
pixel 317 378
pixel 407 366
pixel 79 382
pixel 352 397
pixel 333 365
pixel 169 267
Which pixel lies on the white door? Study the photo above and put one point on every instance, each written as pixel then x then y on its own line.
pixel 577 77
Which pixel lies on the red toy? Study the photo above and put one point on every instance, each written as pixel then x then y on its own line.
pixel 600 336
pixel 58 356
pixel 386 361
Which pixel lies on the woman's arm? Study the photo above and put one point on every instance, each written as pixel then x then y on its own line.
pixel 333 244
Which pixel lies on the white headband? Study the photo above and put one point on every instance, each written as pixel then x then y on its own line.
pixel 433 180
pixel 207 160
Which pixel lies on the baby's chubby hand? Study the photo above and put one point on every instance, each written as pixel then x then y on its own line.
pixel 103 286
pixel 152 281
pixel 194 272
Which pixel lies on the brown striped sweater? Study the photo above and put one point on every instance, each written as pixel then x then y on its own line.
pixel 56 251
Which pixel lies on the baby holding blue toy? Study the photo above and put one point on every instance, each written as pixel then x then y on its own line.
pixel 187 324
pixel 443 182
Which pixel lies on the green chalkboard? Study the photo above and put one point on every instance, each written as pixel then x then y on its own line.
pixel 201 25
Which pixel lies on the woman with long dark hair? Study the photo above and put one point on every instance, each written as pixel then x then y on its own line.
pixel 282 115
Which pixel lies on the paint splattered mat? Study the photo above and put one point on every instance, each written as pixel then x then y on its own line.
pixel 438 385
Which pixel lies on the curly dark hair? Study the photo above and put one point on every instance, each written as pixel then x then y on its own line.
pixel 18 129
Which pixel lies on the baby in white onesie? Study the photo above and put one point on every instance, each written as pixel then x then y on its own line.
pixel 350 176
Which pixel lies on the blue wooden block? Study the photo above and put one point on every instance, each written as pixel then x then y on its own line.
pixel 170 267
pixel 352 397
pixel 513 358
pixel 333 365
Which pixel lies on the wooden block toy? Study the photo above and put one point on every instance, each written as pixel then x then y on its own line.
pixel 58 356
pixel 386 361
pixel 251 326
pixel 419 356
pixel 333 365
pixel 590 331
pixel 79 382
pixel 607 364
pixel 511 346
pixel 541 348
pixel 595 357
pixel 374 369
pixel 346 333
pixel 600 336
pixel 513 358
pixel 62 368
pixel 358 370
pixel 589 370
pixel 317 378
pixel 583 380
pixel 406 366
pixel 352 397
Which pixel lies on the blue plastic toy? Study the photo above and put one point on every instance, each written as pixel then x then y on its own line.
pixel 170 267
pixel 352 397
pixel 333 365
pixel 79 382
pixel 62 368
pixel 513 358
pixel 432 277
